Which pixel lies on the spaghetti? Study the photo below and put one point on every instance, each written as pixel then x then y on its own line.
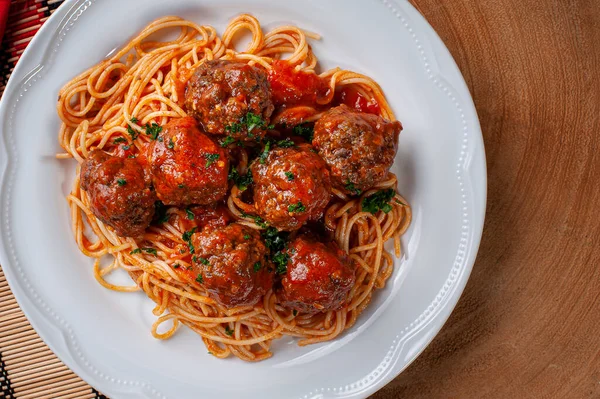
pixel 142 84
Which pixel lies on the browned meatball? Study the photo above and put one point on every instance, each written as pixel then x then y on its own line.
pixel 359 148
pixel 291 187
pixel 186 166
pixel 232 264
pixel 319 276
pixel 221 93
pixel 119 192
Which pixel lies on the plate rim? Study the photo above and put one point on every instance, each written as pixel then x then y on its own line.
pixel 439 314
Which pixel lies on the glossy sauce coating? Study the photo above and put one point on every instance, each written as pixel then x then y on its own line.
pixel 186 166
pixel 359 148
pixel 319 276
pixel 220 93
pixel 232 262
pixel 291 187
pixel 119 192
pixel 291 87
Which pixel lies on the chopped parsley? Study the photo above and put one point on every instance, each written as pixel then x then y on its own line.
pixel 126 147
pixel 251 121
pixel 287 143
pixel 378 201
pixel 190 214
pixel 180 185
pixel 289 175
pixel 121 182
pixel 135 251
pixel 305 131
pixel 257 219
pixel 153 130
pixel 171 144
pixel 228 140
pixel 187 237
pixel 297 208
pixel 228 331
pixel 233 128
pixel 241 181
pixel 133 133
pixel 131 156
pixel 352 188
pixel 265 153
pixel 257 266
pixel 199 278
pixel 210 159
pixel 160 212
pixel 120 140
pixel 246 236
pixel 176 266
pixel 150 251
pixel 280 259
pixel 202 260
pixel 276 241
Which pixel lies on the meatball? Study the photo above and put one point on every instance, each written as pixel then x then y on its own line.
pixel 186 166
pixel 232 264
pixel 291 187
pixel 359 148
pixel 319 276
pixel 221 94
pixel 119 192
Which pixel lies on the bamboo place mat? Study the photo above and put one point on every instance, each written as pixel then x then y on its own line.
pixel 28 368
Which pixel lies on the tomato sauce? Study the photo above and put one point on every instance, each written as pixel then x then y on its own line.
pixel 352 98
pixel 291 87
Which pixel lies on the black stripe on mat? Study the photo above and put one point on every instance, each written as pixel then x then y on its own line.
pixel 6 390
pixel 98 394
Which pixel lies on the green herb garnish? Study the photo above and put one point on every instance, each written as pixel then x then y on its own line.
pixel 135 251
pixel 246 236
pixel 202 260
pixel 160 212
pixel 287 143
pixel 305 131
pixel 241 181
pixel 180 185
pixel 378 201
pixel 176 266
pixel 187 237
pixel 133 133
pixel 289 175
pixel 153 130
pixel 228 331
pixel 150 251
pixel 190 214
pixel 352 188
pixel 171 144
pixel 199 278
pixel 265 153
pixel 228 140
pixel 121 182
pixel 120 140
pixel 257 266
pixel 297 208
pixel 280 259
pixel 210 159
pixel 257 219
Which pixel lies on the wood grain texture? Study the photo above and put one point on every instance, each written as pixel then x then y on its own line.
pixel 528 324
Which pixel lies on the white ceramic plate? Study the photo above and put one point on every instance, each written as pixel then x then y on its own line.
pixel 104 336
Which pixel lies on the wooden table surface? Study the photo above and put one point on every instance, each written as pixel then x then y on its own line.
pixel 528 323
